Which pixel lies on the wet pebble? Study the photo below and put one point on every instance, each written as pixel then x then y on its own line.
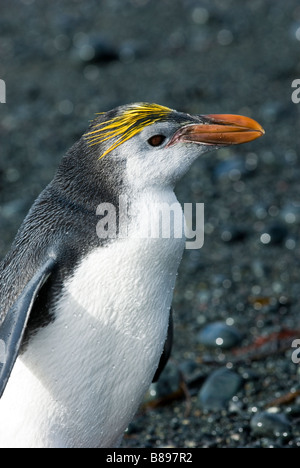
pixel 219 335
pixel 219 388
pixel 268 424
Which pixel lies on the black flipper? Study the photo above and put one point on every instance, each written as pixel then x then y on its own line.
pixel 167 349
pixel 13 327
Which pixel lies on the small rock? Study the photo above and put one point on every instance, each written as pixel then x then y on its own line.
pixel 219 335
pixel 268 424
pixel 219 388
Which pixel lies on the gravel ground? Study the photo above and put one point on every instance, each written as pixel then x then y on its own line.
pixel 64 60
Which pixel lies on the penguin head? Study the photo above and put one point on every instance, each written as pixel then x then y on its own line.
pixel 141 146
pixel 157 145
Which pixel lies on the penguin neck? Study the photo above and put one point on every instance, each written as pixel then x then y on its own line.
pixel 85 181
pixel 155 213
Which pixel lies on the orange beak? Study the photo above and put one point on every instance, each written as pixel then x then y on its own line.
pixel 219 129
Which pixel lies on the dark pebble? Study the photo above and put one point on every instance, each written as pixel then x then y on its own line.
pixel 219 335
pixel 266 424
pixel 219 388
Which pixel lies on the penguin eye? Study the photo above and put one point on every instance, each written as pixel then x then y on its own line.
pixel 156 140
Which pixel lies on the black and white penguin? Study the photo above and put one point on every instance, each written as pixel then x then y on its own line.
pixel 84 317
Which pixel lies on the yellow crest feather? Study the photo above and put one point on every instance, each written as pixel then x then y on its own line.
pixel 127 124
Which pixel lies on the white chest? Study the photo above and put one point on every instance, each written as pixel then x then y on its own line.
pixel 86 373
